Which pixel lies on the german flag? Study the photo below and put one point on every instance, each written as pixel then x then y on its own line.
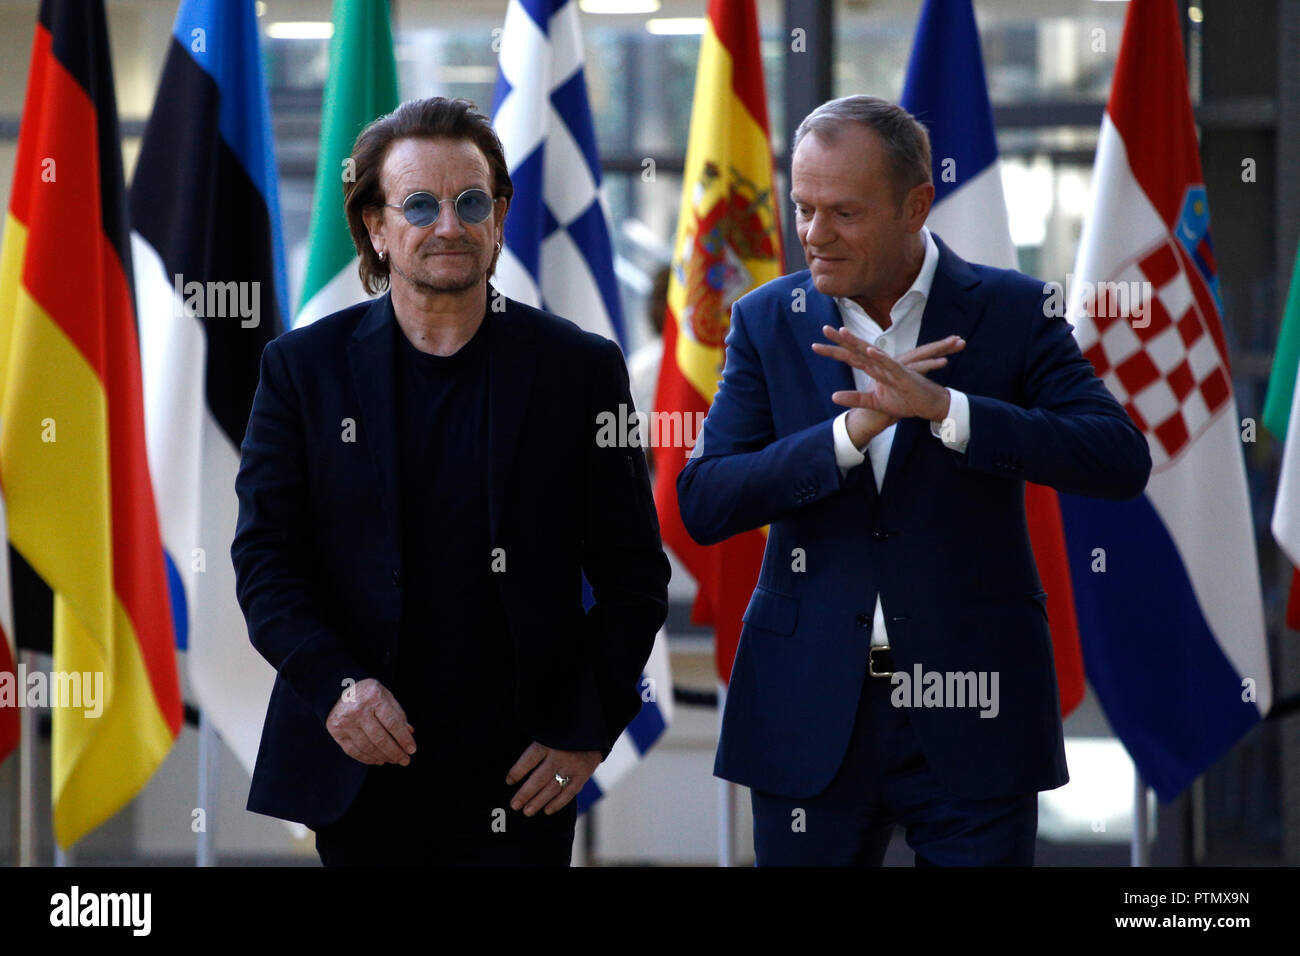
pixel 728 242
pixel 72 441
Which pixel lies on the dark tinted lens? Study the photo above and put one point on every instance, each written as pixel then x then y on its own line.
pixel 420 209
pixel 473 206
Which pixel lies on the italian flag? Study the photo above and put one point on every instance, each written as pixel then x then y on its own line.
pixel 1279 410
pixel 362 86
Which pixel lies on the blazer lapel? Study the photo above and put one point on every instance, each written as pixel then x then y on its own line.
pixel 370 355
pixel 512 366
pixel 950 309
pixel 829 375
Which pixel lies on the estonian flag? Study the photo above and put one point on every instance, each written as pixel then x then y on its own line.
pixel 210 282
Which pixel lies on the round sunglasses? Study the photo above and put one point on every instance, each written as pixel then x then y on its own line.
pixel 473 206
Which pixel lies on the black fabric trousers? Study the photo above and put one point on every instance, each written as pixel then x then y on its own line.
pixel 405 817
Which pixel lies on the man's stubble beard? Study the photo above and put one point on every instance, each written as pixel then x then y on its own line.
pixel 474 278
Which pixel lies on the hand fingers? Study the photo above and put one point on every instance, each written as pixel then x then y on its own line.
pixel 561 799
pixel 883 367
pixel 530 758
pixel 844 337
pixel 536 784
pixel 840 354
pixel 389 713
pixel 382 740
pixel 953 343
pixel 927 365
pixel 855 400
pixel 358 747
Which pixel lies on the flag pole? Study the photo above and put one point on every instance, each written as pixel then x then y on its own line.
pixel 206 788
pixel 1140 850
pixel 726 801
pixel 27 744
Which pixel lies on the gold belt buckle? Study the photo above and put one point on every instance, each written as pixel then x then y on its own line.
pixel 871 661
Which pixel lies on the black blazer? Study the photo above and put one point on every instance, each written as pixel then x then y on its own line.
pixel 316 549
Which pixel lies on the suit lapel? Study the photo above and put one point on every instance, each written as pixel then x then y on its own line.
pixel 950 309
pixel 512 366
pixel 829 375
pixel 370 356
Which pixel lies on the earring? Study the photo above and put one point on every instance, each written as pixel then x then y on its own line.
pixel 381 255
pixel 498 247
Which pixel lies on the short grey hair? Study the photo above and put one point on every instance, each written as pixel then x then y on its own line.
pixel 907 144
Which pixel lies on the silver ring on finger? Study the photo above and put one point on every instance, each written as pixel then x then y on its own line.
pixel 562 780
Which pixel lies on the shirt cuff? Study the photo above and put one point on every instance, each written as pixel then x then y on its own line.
pixel 846 455
pixel 959 416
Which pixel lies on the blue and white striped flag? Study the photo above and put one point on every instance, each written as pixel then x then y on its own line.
pixel 557 253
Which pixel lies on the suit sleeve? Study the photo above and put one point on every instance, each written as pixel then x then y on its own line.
pixel 271 550
pixel 740 476
pixel 1072 434
pixel 623 560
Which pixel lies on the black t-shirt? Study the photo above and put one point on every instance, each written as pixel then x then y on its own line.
pixel 456 661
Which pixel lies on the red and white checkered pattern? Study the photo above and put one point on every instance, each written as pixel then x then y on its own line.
pixel 1169 374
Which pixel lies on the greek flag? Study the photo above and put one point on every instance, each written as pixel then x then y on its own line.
pixel 557 253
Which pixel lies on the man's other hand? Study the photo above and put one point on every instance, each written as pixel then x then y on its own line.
pixel 370 725
pixel 541 791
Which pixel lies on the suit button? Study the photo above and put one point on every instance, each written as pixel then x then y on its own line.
pixel 863 620
pixel 879 534
pixel 397 579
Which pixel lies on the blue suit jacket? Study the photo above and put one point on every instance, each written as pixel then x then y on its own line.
pixel 944 543
pixel 316 550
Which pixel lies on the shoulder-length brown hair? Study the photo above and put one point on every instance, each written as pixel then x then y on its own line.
pixel 434 118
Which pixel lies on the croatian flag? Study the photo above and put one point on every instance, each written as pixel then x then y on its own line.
pixel 946 92
pixel 557 253
pixel 1167 586
pixel 210 290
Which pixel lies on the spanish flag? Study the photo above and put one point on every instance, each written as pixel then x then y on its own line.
pixel 72 442
pixel 728 242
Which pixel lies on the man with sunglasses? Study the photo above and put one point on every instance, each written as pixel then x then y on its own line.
pixel 421 492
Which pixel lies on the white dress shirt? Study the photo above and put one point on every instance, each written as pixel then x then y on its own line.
pixel 900 337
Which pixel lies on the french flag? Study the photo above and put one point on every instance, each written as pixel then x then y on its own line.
pixel 1167 586
pixel 946 92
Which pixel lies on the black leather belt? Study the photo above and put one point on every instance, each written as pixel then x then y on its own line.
pixel 880 661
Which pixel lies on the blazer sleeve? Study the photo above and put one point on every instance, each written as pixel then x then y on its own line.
pixel 271 550
pixel 740 476
pixel 622 558
pixel 1071 435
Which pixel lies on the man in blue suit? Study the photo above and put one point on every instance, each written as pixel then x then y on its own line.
pixel 896 665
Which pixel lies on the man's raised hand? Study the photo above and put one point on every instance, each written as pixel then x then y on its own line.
pixel 899 387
